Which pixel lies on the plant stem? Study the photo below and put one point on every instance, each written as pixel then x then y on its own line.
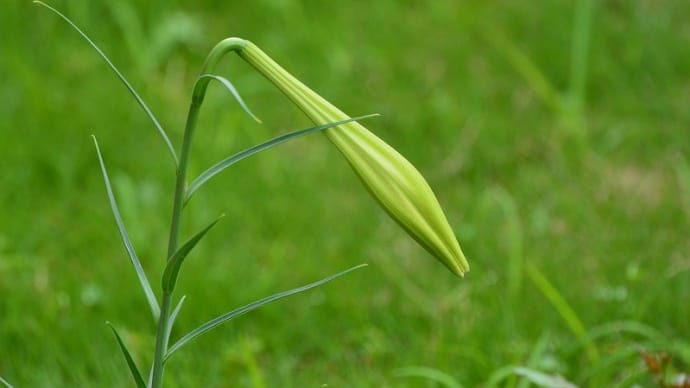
pixel 178 203
pixel 198 94
pixel 161 345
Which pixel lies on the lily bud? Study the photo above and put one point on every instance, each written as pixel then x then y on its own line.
pixel 393 181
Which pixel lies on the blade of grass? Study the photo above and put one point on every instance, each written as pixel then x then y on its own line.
pixel 579 51
pixel 431 374
pixel 128 357
pixel 231 88
pixel 212 324
pixel 499 375
pixel 542 379
pixel 619 328
pixel 536 357
pixel 5 383
pixel 515 270
pixel 122 78
pixel 563 308
pixel 172 268
pixel 611 364
pixel 229 161
pixel 526 68
pixel 143 280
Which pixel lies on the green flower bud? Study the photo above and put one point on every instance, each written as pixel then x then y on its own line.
pixel 393 181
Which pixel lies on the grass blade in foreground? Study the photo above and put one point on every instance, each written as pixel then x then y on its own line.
pixel 5 383
pixel 143 280
pixel 212 324
pixel 542 379
pixel 122 78
pixel 229 161
pixel 130 361
pixel 172 269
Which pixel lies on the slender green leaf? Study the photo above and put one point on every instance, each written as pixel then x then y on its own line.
pixel 173 316
pixel 5 383
pixel 498 376
pixel 212 324
pixel 579 50
pixel 441 378
pixel 535 78
pixel 632 328
pixel 617 358
pixel 536 356
pixel 172 269
pixel 231 88
pixel 564 309
pixel 227 162
pixel 128 357
pixel 122 78
pixel 544 380
pixel 143 280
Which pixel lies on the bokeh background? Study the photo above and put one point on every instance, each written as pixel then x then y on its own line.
pixel 555 133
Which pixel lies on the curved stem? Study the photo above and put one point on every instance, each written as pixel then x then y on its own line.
pixel 164 322
pixel 222 48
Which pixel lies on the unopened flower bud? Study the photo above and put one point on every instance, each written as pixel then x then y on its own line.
pixel 393 181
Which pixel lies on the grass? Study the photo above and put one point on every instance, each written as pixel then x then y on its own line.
pixel 603 217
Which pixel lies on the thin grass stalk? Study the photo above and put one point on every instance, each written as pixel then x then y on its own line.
pixel 579 51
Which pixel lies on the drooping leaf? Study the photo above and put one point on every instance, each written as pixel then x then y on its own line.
pixel 212 324
pixel 122 78
pixel 229 161
pixel 143 280
pixel 431 374
pixel 128 357
pixel 172 268
pixel 231 88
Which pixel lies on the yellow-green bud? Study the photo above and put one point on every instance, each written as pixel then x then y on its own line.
pixel 390 178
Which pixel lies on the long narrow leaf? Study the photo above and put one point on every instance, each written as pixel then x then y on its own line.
pixel 579 50
pixel 128 357
pixel 122 78
pixel 227 162
pixel 143 280
pixel 175 261
pixel 5 383
pixel 567 313
pixel 542 379
pixel 524 66
pixel 173 316
pixel 430 374
pixel 212 324
pixel 231 88
pixel 536 356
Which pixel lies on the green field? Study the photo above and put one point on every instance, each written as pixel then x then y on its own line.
pixel 556 135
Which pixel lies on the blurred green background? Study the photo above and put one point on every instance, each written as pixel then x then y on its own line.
pixel 555 133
